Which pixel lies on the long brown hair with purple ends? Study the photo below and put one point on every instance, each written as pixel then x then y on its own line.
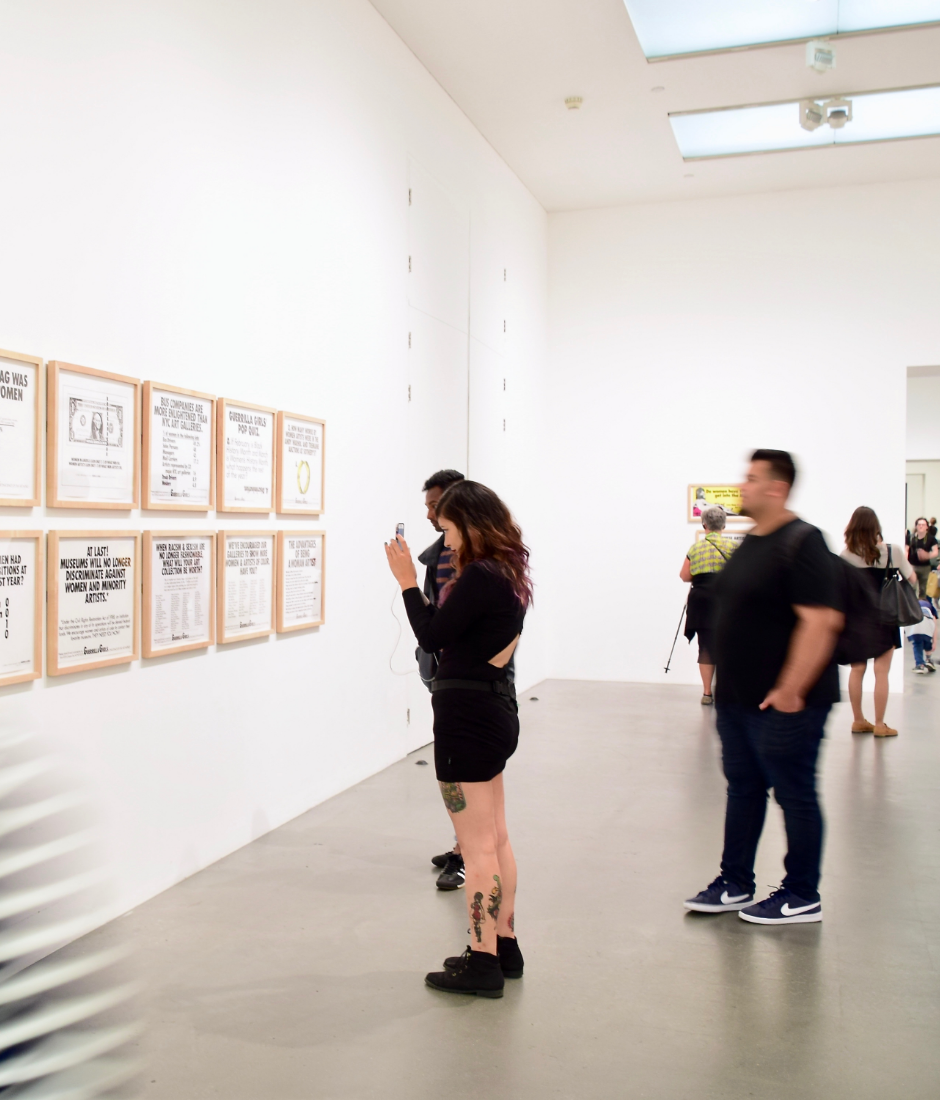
pixel 863 535
pixel 489 534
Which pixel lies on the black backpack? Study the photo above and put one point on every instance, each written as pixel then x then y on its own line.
pixel 862 635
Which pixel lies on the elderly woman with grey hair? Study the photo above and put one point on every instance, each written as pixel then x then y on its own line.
pixel 704 561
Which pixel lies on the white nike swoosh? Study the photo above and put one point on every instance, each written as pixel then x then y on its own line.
pixel 786 911
pixel 725 900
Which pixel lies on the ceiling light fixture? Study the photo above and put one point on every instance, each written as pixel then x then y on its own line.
pixel 834 113
pixel 573 102
pixel 820 55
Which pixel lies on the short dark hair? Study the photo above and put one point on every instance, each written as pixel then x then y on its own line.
pixel 442 479
pixel 781 464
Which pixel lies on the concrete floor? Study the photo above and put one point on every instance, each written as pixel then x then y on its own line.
pixel 294 968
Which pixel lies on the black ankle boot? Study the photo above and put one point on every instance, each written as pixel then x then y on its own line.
pixel 510 957
pixel 507 951
pixel 474 972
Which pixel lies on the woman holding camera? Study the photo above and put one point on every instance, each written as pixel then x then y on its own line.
pixel 475 629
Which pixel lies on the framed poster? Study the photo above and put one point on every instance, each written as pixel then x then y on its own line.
pixel 178 449
pixel 300 466
pixel 247 580
pixel 20 429
pixel 22 593
pixel 727 496
pixel 93 438
pixel 93 602
pixel 300 573
pixel 737 537
pixel 179 591
pixel 246 457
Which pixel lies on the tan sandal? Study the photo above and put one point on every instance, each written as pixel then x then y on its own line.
pixel 862 727
pixel 884 731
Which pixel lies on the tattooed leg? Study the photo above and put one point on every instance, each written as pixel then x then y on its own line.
pixel 512 922
pixel 477 916
pixel 496 899
pixel 453 797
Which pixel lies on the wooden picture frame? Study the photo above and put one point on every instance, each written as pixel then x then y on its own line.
pixel 290 481
pixel 96 434
pixel 233 500
pixel 175 500
pixel 286 590
pixel 13 608
pixel 56 663
pixel 728 496
pixel 11 393
pixel 222 602
pixel 152 538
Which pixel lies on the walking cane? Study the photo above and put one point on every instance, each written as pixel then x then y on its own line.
pixel 676 638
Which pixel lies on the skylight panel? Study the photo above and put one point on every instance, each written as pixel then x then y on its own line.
pixel 775 127
pixel 669 27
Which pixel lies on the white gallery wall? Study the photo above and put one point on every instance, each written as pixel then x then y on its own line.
pixel 684 335
pixel 214 194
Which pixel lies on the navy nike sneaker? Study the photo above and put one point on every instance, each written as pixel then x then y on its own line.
pixel 783 907
pixel 720 896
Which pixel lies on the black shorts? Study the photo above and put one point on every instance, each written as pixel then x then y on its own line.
pixel 475 733
pixel 706 646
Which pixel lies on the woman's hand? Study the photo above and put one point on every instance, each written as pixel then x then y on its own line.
pixel 400 563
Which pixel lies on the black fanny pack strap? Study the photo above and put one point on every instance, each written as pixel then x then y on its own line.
pixel 494 687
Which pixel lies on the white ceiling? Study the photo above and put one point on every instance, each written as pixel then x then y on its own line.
pixel 509 64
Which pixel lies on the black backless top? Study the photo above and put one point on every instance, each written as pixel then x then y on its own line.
pixel 480 616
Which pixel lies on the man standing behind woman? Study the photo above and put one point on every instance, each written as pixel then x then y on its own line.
pixel 704 561
pixel 923 552
pixel 866 549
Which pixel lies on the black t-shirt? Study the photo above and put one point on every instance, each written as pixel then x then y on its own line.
pixel 928 542
pixel 755 595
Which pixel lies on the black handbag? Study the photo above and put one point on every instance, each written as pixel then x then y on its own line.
pixel 898 604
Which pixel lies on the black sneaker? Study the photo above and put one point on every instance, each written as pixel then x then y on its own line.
pixel 476 972
pixel 454 874
pixel 441 860
pixel 507 951
pixel 783 907
pixel 720 896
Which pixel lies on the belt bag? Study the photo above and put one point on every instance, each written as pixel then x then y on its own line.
pixel 494 687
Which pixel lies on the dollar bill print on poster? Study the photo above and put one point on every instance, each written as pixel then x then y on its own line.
pixel 247 579
pixel 93 438
pixel 178 449
pixel 300 575
pixel 93 586
pixel 179 591
pixel 300 464
pixel 22 593
pixel 728 497
pixel 20 428
pixel 246 457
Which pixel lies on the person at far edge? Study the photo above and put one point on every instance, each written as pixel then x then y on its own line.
pixel 704 561
pixel 779 615
pixel 866 549
pixel 475 628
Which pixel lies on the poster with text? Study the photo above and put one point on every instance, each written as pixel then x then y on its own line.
pixel 179 592
pixel 96 438
pixel 246 454
pixel 19 429
pixel 300 579
pixel 179 448
pixel 21 594
pixel 93 587
pixel 727 497
pixel 246 584
pixel 300 464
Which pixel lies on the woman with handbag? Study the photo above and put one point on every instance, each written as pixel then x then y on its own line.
pixel 881 562
pixel 704 561
pixel 475 628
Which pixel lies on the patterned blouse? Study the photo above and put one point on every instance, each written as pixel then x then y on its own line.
pixel 710 554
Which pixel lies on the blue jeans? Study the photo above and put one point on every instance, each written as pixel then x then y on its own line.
pixel 760 750
pixel 919 643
